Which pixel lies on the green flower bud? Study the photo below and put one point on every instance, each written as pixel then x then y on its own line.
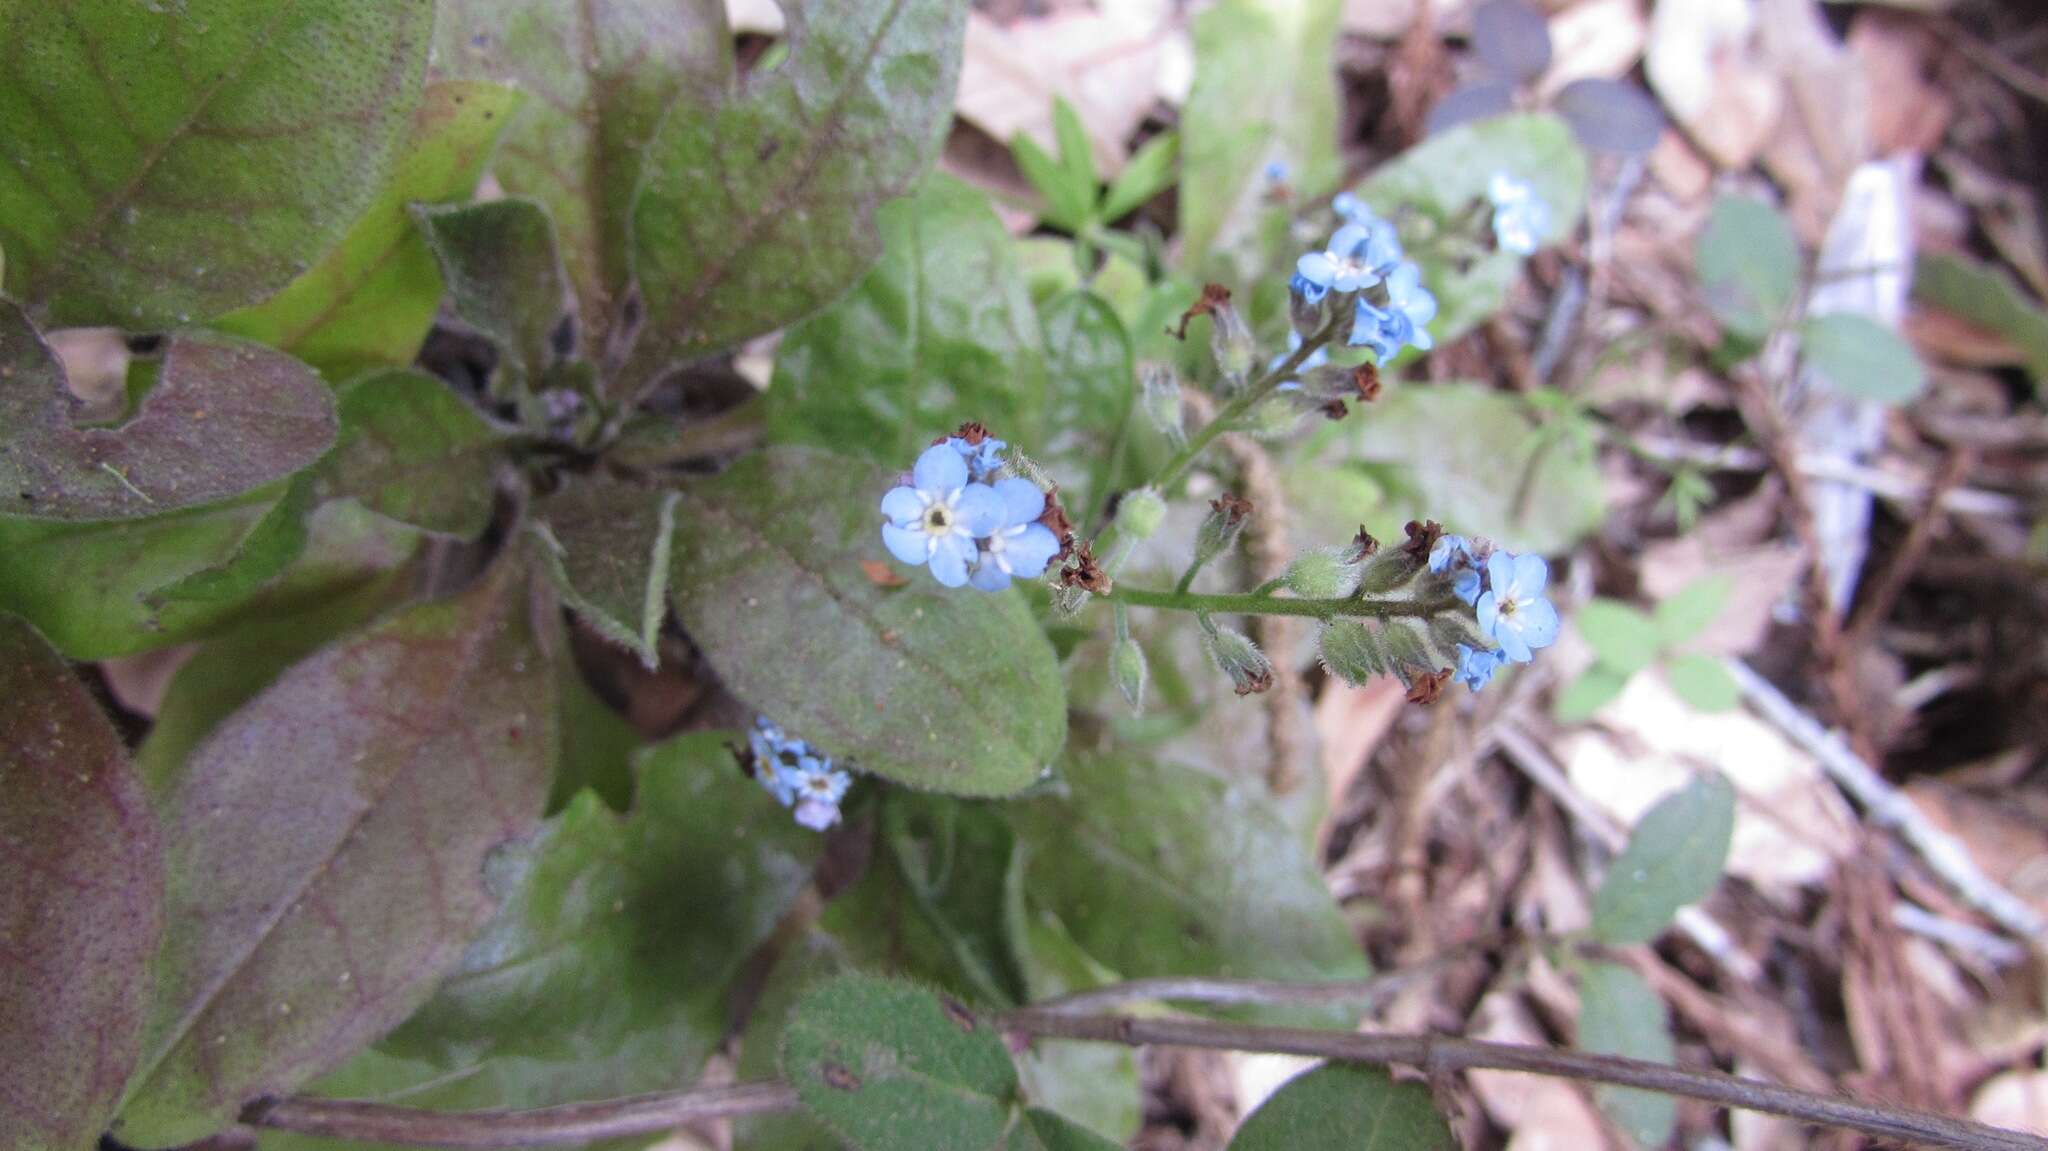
pixel 1324 573
pixel 1230 341
pixel 1353 651
pixel 1248 668
pixel 1159 395
pixel 1388 569
pixel 1219 531
pixel 1140 513
pixel 1127 669
pixel 1404 647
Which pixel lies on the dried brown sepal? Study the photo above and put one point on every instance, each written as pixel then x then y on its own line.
pixel 1214 296
pixel 1429 687
pixel 1366 378
pixel 1422 537
pixel 1335 410
pixel 1233 508
pixel 1054 517
pixel 973 431
pixel 1364 542
pixel 1255 682
pixel 1083 572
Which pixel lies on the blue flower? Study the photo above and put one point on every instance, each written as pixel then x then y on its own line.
pixel 1357 258
pixel 1401 321
pixel 1518 216
pixel 983 459
pixel 1513 612
pixel 1448 551
pixel 817 787
pixel 1276 172
pixel 1022 547
pixel 1476 666
pixel 1466 585
pixel 772 752
pixel 1350 208
pixel 938 516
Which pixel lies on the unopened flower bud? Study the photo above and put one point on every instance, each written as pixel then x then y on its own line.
pixel 1127 669
pixel 1219 530
pixel 1230 341
pixel 1324 573
pixel 1140 513
pixel 1306 316
pixel 1352 650
pixel 1159 395
pixel 1249 670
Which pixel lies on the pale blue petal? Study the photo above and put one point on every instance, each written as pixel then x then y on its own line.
pixel 912 547
pixel 1317 268
pixel 1531 573
pixel 1029 552
pixel 1351 239
pixel 1500 575
pixel 1421 307
pixel 1023 501
pixel 949 560
pixel 979 510
pixel 939 470
pixel 1466 585
pixel 989 577
pixel 903 506
pixel 1539 622
pixel 1488 611
pixel 1512 643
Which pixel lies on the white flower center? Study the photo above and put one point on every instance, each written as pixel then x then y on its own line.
pixel 938 518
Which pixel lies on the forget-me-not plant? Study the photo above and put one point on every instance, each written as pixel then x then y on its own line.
pixel 1512 611
pixel 938 518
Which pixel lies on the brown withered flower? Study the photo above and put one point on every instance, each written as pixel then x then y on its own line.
pixel 1421 537
pixel 1214 296
pixel 1429 687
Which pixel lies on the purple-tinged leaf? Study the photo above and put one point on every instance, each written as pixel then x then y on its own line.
pixel 1481 101
pixel 327 848
pixel 1611 116
pixel 81 903
pixel 1512 39
pixel 224 418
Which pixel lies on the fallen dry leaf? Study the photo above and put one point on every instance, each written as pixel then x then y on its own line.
pixel 2016 1099
pixel 1906 112
pixel 1703 63
pixel 1542 1114
pixel 881 574
pixel 1598 39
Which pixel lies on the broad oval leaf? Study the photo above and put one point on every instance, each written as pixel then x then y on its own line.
pixel 1343 1107
pixel 1748 263
pixel 1583 697
pixel 1160 869
pixel 1686 612
pixel 889 1065
pixel 1622 635
pixel 1703 681
pixel 1479 100
pixel 81 902
pixel 941 331
pixel 1862 358
pixel 412 450
pixel 607 546
pixel 170 162
pixel 950 689
pixel 1611 115
pixel 504 279
pixel 224 418
pixel 1445 174
pixel 1674 857
pixel 1042 1130
pixel 1512 38
pixel 1620 1015
pixel 756 210
pixel 1091 385
pixel 370 301
pixel 601 74
pixel 611 965
pixel 327 847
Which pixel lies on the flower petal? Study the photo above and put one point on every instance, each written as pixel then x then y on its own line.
pixel 1539 623
pixel 939 470
pixel 1512 644
pixel 912 547
pixel 979 510
pixel 1531 573
pixel 903 505
pixel 1351 240
pixel 1317 268
pixel 1029 552
pixel 949 559
pixel 988 577
pixel 1500 575
pixel 1023 501
pixel 1465 585
pixel 1488 611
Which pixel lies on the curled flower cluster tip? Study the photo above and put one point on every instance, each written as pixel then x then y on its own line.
pixel 798 775
pixel 957 515
pixel 1364 263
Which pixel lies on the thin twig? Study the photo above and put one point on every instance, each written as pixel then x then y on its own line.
pixel 364 1121
pixel 1878 601
pixel 1889 809
pixel 1437 1054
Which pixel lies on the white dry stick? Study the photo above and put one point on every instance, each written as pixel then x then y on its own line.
pixel 1702 928
pixel 1892 811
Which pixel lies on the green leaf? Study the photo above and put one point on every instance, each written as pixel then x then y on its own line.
pixel 1343 1107
pixel 756 210
pixel 88 587
pixel 504 279
pixel 224 419
pixel 81 902
pixel 1096 1084
pixel 603 73
pixel 1625 639
pixel 768 581
pixel 172 162
pixel 1042 1130
pixel 412 450
pixel 1673 858
pixel 596 745
pixel 1686 612
pixel 607 545
pixel 1075 154
pixel 370 301
pixel 1704 682
pixel 1748 263
pixel 1159 870
pixel 1149 171
pixel 953 858
pixel 611 966
pixel 940 332
pixel 1265 89
pixel 1048 267
pixel 1986 297
pixel 1595 688
pixel 326 852
pixel 1092 383
pixel 1620 1015
pixel 1862 358
pixel 1068 202
pixel 1462 454
pixel 271 545
pixel 889 1066
pixel 1444 175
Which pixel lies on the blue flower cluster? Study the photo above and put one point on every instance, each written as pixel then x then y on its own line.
pixel 1518 216
pixel 797 775
pixel 968 526
pixel 1506 593
pixel 1364 259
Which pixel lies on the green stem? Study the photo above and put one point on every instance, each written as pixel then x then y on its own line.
pixel 1254 603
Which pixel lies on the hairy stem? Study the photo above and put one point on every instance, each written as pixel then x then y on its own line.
pixel 572 1123
pixel 1255 603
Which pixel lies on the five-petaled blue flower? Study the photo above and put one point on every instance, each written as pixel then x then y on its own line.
pixel 1022 547
pixel 938 516
pixel 1476 665
pixel 797 775
pixel 1518 216
pixel 1401 321
pixel 983 459
pixel 1512 611
pixel 1357 258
